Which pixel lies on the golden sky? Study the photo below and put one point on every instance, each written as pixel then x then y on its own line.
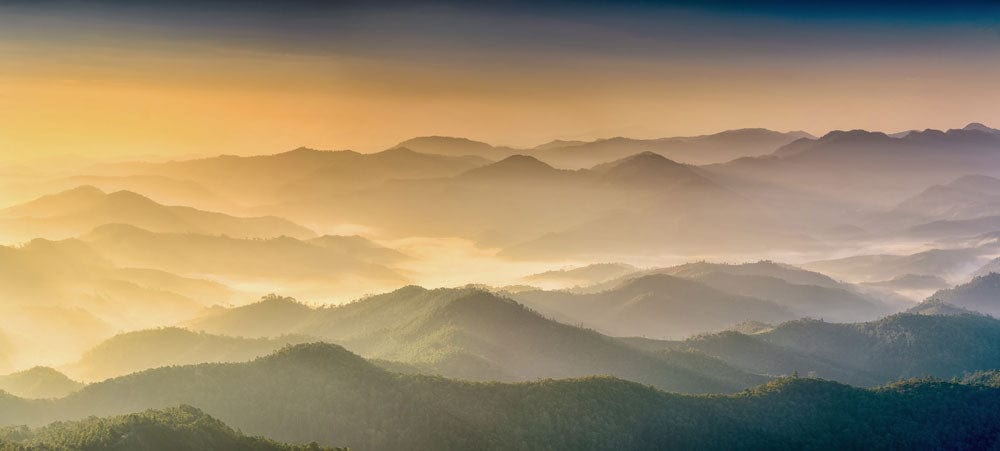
pixel 106 84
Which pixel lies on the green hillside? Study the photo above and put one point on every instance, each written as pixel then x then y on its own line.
pixel 176 429
pixel 324 393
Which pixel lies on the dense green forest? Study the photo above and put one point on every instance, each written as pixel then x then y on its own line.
pixel 323 393
pixel 173 429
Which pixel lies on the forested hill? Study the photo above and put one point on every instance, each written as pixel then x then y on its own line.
pixel 324 393
pixel 176 429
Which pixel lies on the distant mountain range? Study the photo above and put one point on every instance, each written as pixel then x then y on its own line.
pixel 871 167
pixel 704 149
pixel 74 212
pixel 658 306
pixel 38 383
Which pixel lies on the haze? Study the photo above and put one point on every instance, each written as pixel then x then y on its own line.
pixel 544 225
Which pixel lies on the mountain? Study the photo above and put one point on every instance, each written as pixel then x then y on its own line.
pixel 38 383
pixel 990 267
pixel 175 428
pixel 981 294
pixel 473 334
pixel 980 127
pixel 131 352
pixel 74 212
pixel 648 170
pixel 557 143
pixel 164 190
pixel 446 145
pixel 763 268
pixel 870 168
pixel 370 170
pixel 871 353
pixel 801 292
pixel 944 263
pixel 518 168
pixel 272 316
pixel 78 297
pixel 967 197
pixel 704 149
pixel 658 305
pixel 322 393
pixel 656 206
pixel 939 307
pixel 278 259
pixel 300 174
pixel 583 275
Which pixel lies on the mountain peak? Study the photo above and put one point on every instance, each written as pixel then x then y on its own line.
pixel 514 167
pixel 648 170
pixel 980 127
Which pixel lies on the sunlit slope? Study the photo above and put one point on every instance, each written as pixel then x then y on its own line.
pixel 77 211
pixel 474 334
pixel 175 428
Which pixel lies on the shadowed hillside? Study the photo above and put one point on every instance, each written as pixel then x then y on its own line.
pixel 322 392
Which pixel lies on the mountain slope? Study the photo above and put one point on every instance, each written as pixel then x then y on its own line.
pixel 176 428
pixel 136 351
pixel 78 297
pixel 981 294
pixel 474 334
pixel 321 392
pixel 38 382
pixel 872 353
pixel 74 212
pixel 187 253
pixel 870 167
pixel 656 306
pixel 705 149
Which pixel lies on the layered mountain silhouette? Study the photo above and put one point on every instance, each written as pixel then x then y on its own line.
pixel 300 174
pixel 981 294
pixel 944 263
pixel 800 292
pixel 317 259
pixel 79 297
pixel 473 334
pixel 136 351
pixel 871 167
pixel 176 428
pixel 77 211
pixel 925 343
pixel 323 393
pixel 658 306
pixel 704 149
pixel 583 275
pixel 38 383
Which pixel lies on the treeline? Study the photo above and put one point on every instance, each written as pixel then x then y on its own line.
pixel 321 392
pixel 177 429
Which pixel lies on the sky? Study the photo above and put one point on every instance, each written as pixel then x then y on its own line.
pixel 117 79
